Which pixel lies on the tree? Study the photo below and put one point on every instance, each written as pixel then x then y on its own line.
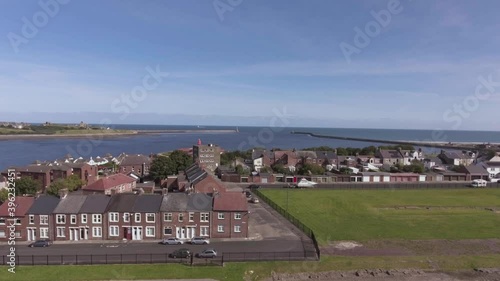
pixel 55 186
pixel 71 183
pixel 161 167
pixel 4 195
pixel 265 169
pixel 279 168
pixel 240 170
pixel 342 151
pixel 345 171
pixel 311 168
pixel 181 160
pixel 26 185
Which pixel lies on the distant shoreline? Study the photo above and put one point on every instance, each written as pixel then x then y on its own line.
pixel 111 135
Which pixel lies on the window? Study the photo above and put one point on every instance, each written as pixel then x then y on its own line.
pixel 204 217
pixel 237 228
pixel 60 219
pixel 167 217
pixel 96 218
pixel 18 234
pixel 73 219
pixel 32 219
pixel 2 233
pixel 204 231
pixel 113 217
pixel 113 230
pixel 150 217
pixel 191 217
pixel 18 221
pixel 96 231
pixel 2 221
pixel 126 217
pixel 237 216
pixel 220 228
pixel 167 231
pixel 221 216
pixel 60 232
pixel 181 217
pixel 44 219
pixel 150 231
pixel 84 218
pixel 137 217
pixel 44 233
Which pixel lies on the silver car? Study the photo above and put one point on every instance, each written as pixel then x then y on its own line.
pixel 200 241
pixel 172 241
pixel 208 253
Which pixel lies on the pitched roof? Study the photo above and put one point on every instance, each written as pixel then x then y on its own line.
pixel 390 153
pixel 23 203
pixel 44 205
pixel 199 202
pixel 136 159
pixel 122 202
pixel 230 201
pixel 174 202
pixel 71 204
pixel 476 170
pixel 109 182
pixel 34 169
pixel 95 203
pixel 148 203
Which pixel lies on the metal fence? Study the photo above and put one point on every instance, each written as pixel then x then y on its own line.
pixel 28 260
pixel 304 228
pixel 391 185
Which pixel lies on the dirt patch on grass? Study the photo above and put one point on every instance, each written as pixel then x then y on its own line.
pixel 415 248
pixel 390 275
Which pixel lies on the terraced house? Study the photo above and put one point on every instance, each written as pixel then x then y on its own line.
pixel 186 215
pixel 17 217
pixel 40 219
pixel 134 217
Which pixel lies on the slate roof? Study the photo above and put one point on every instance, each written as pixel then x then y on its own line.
pixel 230 202
pixel 174 202
pixel 199 202
pixel 23 203
pixel 70 205
pixel 95 203
pixel 136 159
pixel 44 205
pixel 148 203
pixel 476 170
pixel 122 202
pixel 34 169
pixel 385 153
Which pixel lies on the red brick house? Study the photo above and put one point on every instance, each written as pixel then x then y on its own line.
pixel 67 219
pixel 117 183
pixel 13 224
pixel 230 215
pixel 137 163
pixel 84 171
pixel 185 216
pixel 134 217
pixel 40 218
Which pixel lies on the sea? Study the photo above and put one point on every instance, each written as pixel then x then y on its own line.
pixel 25 151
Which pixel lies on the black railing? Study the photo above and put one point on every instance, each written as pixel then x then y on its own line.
pixel 27 260
pixel 304 228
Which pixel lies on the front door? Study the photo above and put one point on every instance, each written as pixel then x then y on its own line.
pixel 31 234
pixel 74 234
pixel 84 233
pixel 127 233
pixel 136 233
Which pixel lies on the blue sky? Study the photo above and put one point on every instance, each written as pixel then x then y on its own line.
pixel 258 58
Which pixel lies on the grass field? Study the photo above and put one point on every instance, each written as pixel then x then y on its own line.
pixel 240 271
pixel 364 215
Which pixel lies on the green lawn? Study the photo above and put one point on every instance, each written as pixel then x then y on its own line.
pixel 237 271
pixel 371 214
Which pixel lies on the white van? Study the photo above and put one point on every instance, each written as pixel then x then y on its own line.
pixel 479 183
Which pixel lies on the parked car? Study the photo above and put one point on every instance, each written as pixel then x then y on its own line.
pixel 172 241
pixel 41 243
pixel 254 186
pixel 248 194
pixel 254 200
pixel 207 253
pixel 181 253
pixel 200 241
